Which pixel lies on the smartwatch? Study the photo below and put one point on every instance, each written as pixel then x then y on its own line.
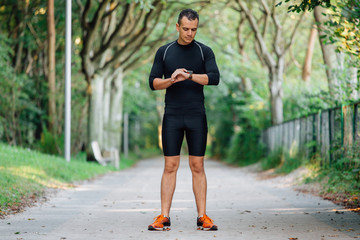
pixel 191 73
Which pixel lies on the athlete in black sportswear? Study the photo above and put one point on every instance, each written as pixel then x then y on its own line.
pixel 186 96
pixel 186 65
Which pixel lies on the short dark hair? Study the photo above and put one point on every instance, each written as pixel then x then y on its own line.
pixel 189 14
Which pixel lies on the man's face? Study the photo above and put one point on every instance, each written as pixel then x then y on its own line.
pixel 187 30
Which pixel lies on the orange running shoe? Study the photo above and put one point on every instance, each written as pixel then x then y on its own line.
pixel 161 223
pixel 206 223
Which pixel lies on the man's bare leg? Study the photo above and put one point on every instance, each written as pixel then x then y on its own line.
pixel 168 183
pixel 199 182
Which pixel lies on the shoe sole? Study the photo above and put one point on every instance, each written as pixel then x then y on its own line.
pixel 213 228
pixel 166 228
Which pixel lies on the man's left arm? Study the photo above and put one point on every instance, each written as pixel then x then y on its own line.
pixel 212 75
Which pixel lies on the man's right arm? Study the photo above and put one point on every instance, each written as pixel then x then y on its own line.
pixel 156 82
pixel 159 83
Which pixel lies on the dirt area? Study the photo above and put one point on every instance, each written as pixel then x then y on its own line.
pixel 296 181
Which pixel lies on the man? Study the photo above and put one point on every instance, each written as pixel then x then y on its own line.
pixel 187 66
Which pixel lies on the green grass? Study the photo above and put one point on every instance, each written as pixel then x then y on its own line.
pixel 25 174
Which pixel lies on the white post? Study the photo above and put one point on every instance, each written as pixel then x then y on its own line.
pixel 68 80
pixel 126 134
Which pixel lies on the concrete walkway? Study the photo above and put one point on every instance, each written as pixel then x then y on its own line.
pixel 121 206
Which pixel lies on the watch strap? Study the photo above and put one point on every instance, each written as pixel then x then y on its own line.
pixel 191 73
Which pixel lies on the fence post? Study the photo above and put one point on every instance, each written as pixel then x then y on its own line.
pixel 354 122
pixel 313 134
pixel 331 135
pixel 342 125
pixel 356 133
pixel 320 134
pixel 126 134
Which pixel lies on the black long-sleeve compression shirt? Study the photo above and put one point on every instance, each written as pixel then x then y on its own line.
pixel 185 96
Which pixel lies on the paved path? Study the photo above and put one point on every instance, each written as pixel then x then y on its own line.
pixel 121 205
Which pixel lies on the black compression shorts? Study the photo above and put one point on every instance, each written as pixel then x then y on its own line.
pixel 195 129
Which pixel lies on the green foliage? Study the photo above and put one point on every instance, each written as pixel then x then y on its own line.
pixel 308 99
pixel 305 5
pixel 343 28
pixel 305 103
pixel 282 161
pixel 51 143
pixel 245 148
pixel 342 175
pixel 141 105
pixel 17 111
pixel 221 132
pixel 273 159
pixel 340 179
pixel 290 163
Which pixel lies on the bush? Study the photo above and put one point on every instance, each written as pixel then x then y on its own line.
pixel 283 161
pixel 273 159
pixel 245 148
pixel 290 163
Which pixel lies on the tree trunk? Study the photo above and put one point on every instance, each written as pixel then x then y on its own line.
pixel 276 92
pixel 309 54
pixel 116 106
pixel 22 26
pixel 329 55
pixel 96 117
pixel 19 51
pixel 106 141
pixel 51 67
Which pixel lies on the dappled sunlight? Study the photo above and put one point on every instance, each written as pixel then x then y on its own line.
pixel 37 175
pixel 295 210
pixel 294 149
pixel 257 105
pixel 345 210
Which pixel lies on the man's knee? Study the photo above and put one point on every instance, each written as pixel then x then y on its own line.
pixel 171 165
pixel 197 165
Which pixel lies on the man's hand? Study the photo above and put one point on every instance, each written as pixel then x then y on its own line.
pixel 179 75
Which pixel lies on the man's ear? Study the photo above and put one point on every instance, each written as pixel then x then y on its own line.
pixel 177 27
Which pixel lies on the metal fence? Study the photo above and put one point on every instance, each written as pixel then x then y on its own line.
pixel 318 132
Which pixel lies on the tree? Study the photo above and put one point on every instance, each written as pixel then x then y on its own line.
pixel 331 59
pixel 274 57
pixel 338 28
pixel 114 33
pixel 52 122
